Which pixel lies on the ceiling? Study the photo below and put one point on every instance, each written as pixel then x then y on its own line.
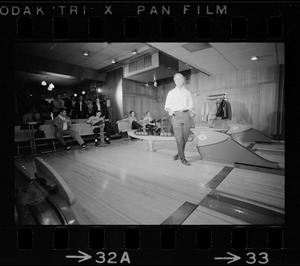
pixel 218 58
pixel 210 58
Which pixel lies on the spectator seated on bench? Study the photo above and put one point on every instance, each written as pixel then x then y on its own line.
pixel 22 139
pixel 148 123
pixel 99 125
pixel 31 116
pixel 127 124
pixel 63 126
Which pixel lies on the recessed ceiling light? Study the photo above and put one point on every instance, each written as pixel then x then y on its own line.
pixel 44 83
pixel 253 58
pixel 134 51
pixel 113 61
pixel 85 53
pixel 51 87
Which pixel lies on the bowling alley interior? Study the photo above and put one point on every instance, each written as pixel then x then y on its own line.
pixel 127 175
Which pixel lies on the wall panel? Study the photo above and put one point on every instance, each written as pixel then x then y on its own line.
pixel 251 93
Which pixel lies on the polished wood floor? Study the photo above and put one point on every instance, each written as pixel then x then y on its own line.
pixel 124 183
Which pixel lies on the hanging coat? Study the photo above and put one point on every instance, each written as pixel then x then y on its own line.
pixel 204 111
pixel 223 110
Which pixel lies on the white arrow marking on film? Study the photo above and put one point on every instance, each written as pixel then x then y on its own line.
pixel 232 259
pixel 83 258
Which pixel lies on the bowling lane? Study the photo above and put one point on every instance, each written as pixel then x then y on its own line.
pixel 125 184
pixel 207 216
pixel 260 188
pixel 273 156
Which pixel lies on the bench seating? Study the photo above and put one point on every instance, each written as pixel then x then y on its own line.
pixel 124 127
pixel 22 139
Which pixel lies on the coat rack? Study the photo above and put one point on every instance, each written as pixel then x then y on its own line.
pixel 216 96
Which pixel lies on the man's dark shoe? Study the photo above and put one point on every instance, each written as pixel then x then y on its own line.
pixel 176 157
pixel 185 162
pixel 83 147
pixel 96 143
pixel 107 141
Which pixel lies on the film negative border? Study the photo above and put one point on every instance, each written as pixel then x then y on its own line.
pixel 163 22
pixel 166 21
pixel 151 244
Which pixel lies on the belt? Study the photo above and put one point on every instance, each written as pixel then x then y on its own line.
pixel 183 111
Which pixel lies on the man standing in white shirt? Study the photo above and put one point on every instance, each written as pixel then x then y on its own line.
pixel 179 105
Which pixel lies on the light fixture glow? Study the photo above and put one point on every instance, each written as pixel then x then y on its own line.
pixel 86 53
pixel 51 87
pixel 75 94
pixel 98 90
pixel 113 61
pixel 134 51
pixel 83 92
pixel 253 58
pixel 44 83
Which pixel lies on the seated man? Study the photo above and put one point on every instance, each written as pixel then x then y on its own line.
pixel 157 128
pixel 100 124
pixel 132 120
pixel 31 116
pixel 63 126
pixel 148 122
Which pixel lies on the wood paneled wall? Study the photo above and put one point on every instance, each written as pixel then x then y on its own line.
pixel 138 97
pixel 251 93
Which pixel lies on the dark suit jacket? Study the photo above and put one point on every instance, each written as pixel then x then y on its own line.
pixel 84 113
pixel 104 111
pixel 68 105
